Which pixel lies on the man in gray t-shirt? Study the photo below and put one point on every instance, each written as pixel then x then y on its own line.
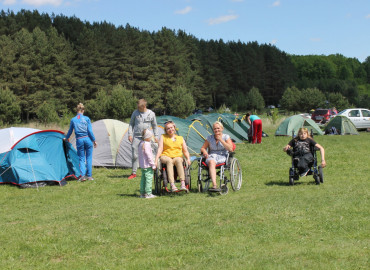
pixel 141 119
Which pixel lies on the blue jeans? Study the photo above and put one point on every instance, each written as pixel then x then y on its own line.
pixel 85 155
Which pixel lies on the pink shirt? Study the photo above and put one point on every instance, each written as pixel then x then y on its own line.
pixel 145 155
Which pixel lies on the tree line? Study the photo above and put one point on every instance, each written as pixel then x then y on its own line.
pixel 49 63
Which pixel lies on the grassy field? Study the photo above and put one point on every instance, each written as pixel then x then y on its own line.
pixel 268 224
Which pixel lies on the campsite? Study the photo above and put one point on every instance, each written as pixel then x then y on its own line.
pixel 76 73
pixel 102 224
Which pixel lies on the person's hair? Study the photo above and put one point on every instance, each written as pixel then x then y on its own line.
pixel 80 107
pixel 141 102
pixel 143 133
pixel 248 114
pixel 218 123
pixel 167 123
pixel 304 130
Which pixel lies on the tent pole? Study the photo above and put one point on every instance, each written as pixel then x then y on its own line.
pixel 33 172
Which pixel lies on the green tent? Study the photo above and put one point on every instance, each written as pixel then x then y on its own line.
pixel 208 119
pixel 342 124
pixel 294 123
pixel 194 132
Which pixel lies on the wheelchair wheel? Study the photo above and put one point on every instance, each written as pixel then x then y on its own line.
pixel 235 174
pixel 321 174
pixel 203 180
pixel 193 170
pixel 224 189
pixel 187 176
pixel 157 182
pixel 291 176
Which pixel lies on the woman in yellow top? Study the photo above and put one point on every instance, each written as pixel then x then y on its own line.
pixel 171 149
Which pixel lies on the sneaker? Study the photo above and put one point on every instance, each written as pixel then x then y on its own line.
pixel 81 179
pixel 142 196
pixel 90 178
pixel 174 188
pixel 183 188
pixel 150 196
pixel 305 173
pixel 132 176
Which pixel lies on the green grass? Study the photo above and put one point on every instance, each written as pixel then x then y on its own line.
pixel 266 225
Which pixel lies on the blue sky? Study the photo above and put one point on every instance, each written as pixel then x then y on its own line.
pixel 295 26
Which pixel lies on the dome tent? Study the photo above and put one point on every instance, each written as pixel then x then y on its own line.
pixel 342 124
pixel 30 157
pixel 294 123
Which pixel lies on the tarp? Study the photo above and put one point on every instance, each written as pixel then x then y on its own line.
pixel 294 123
pixel 193 132
pixel 342 124
pixel 114 148
pixel 38 156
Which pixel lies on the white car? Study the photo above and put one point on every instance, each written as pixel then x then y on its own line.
pixel 359 116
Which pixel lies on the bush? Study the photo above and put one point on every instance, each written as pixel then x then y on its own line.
pixel 121 103
pixel 180 102
pixel 46 112
pixel 255 100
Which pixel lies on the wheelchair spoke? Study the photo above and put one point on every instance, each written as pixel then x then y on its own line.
pixel 236 174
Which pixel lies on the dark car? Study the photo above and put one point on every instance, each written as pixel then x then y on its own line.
pixel 322 115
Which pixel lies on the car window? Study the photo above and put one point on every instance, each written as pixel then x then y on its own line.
pixel 354 113
pixel 321 112
pixel 365 113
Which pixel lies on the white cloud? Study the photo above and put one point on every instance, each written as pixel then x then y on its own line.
pixel 43 2
pixel 184 11
pixel 276 3
pixel 222 19
pixel 315 39
pixel 273 42
pixel 368 16
pixel 9 2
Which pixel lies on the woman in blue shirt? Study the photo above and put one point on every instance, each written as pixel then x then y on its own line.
pixel 85 141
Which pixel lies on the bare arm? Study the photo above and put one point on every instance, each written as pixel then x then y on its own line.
pixel 186 152
pixel 322 152
pixel 204 149
pixel 228 145
pixel 286 148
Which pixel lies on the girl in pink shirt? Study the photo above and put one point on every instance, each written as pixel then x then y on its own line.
pixel 147 165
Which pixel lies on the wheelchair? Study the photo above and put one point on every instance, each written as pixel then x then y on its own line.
pixel 315 171
pixel 161 180
pixel 228 172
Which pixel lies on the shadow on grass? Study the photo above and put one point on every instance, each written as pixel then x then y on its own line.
pixel 276 183
pixel 121 176
pixel 128 195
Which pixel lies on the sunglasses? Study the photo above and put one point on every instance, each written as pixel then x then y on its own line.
pixel 168 122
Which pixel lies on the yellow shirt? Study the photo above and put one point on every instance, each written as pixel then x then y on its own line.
pixel 172 148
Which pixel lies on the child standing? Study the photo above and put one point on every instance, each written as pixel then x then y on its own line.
pixel 147 165
pixel 302 145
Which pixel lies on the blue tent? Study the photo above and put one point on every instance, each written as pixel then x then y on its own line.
pixel 37 158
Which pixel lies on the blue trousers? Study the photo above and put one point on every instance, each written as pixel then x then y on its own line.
pixel 85 153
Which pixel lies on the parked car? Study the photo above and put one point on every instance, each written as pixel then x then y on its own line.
pixel 322 115
pixel 359 116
